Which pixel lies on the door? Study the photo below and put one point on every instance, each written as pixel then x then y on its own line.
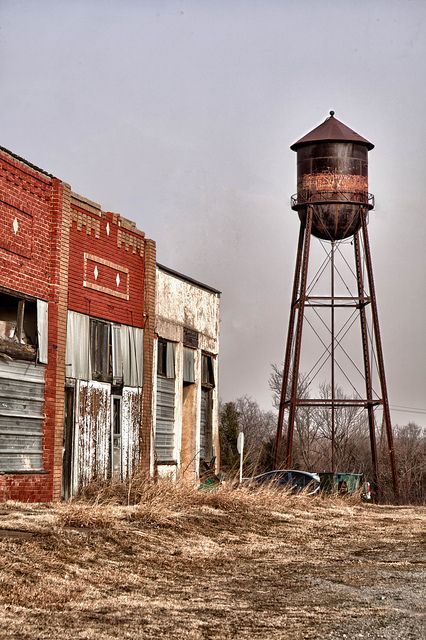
pixel 68 443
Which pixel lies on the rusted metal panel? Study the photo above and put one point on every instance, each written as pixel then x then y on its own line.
pixel 332 130
pixel 331 182
pixel 332 174
pixel 131 419
pixel 333 177
pixel 21 416
pixel 93 433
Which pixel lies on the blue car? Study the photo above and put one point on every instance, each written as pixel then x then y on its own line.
pixel 290 479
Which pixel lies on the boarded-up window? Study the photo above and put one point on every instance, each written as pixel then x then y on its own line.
pixel 21 416
pixel 165 420
pixel 165 413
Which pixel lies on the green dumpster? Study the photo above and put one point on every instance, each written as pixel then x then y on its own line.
pixel 340 482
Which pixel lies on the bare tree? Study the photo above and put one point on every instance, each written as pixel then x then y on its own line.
pixel 244 414
pixel 258 427
pixel 306 423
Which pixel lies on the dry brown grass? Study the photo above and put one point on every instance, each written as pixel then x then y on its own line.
pixel 166 560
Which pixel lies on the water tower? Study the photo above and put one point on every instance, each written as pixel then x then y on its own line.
pixel 333 204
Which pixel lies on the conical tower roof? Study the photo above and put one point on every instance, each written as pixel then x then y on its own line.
pixel 331 130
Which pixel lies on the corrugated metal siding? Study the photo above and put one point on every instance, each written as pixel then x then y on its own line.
pixel 21 416
pixel 165 420
pixel 203 421
pixel 93 433
pixel 131 418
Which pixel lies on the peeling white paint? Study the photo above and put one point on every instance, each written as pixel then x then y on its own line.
pixel 179 304
pixel 93 432
pixel 186 304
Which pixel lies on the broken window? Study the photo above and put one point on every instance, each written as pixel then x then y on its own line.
pixel 166 358
pixel 207 384
pixel 206 448
pixel 100 350
pixel 207 371
pixel 23 328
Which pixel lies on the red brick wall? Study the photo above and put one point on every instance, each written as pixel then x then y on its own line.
pixel 35 487
pixel 25 255
pixel 33 244
pixel 106 266
pixel 57 246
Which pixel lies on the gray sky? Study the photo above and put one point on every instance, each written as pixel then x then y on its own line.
pixel 179 115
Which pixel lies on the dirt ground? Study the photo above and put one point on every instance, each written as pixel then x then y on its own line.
pixel 307 568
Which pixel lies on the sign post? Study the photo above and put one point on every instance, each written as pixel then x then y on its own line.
pixel 240 449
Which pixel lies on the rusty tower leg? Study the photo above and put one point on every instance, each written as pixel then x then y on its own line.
pixel 287 358
pixel 367 367
pixel 298 302
pixel 379 350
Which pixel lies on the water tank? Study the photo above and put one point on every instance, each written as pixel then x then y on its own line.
pixel 332 177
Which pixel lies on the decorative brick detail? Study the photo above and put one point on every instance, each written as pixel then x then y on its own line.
pixel 86 221
pixel 19 178
pixel 16 230
pixel 109 278
pixel 25 255
pixel 96 292
pixel 130 241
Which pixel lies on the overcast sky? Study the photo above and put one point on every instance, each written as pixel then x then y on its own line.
pixel 179 115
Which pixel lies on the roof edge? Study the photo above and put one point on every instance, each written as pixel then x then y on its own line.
pixel 27 162
pixel 331 130
pixel 185 278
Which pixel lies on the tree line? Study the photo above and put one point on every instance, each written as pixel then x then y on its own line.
pixel 312 441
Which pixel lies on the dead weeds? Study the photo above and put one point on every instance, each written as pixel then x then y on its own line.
pixel 164 559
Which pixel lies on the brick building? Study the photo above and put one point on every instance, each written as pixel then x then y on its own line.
pixel 77 306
